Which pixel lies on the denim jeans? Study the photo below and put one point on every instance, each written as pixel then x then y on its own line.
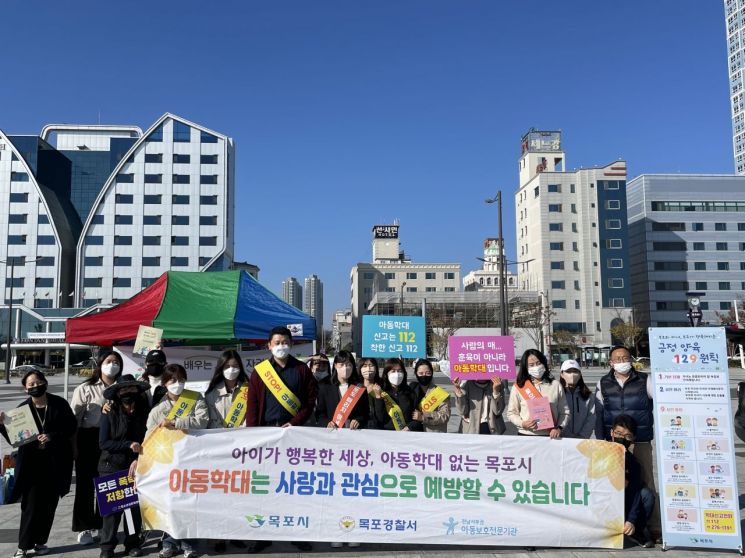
pixel 183 544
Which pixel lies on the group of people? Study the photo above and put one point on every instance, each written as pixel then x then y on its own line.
pixel 103 428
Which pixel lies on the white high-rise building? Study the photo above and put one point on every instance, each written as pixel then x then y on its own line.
pixel 572 236
pixel 292 292
pixel 313 300
pixel 734 13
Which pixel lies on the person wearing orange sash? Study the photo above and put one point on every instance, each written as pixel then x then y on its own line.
pixel 394 384
pixel 338 391
pixel 432 413
pixel 533 381
pixel 371 377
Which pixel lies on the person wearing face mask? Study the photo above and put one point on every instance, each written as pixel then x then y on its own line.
pixel 624 391
pixel 481 404
pixel 155 364
pixel 319 367
pixel 370 377
pixel 87 403
pixel 43 470
pixel 639 500
pixel 227 394
pixel 395 402
pixel 433 411
pixel 534 380
pixel 292 406
pixel 580 401
pixel 340 390
pixel 122 431
pixel 168 414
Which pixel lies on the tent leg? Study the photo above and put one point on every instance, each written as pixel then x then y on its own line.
pixel 67 369
pixel 315 352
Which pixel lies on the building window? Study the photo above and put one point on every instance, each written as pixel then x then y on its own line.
pixel 179 262
pixel 411 275
pixel 147 281
pixel 45 282
pixel 179 241
pixel 724 285
pixel 92 282
pixel 124 199
pixel 612 224
pixel 697 227
pixel 153 179
pixel 16 282
pixel 699 266
pixel 390 275
pixel 46 261
pixel 741 226
pixel 576 304
pixel 157 134
pixel 179 219
pixel 94 240
pixel 429 275
pixel 699 246
pixel 556 246
pixel 430 289
pixel 576 284
pixel 151 241
pixel 411 289
pixel 720 226
pixel 615 263
pixel 449 275
pixel 571 189
pixel 613 204
pixel 554 188
pixel 208 241
pixel 16 239
pixel 671 286
pixel 721 246
pixel 575 246
pixel 151 261
pixel 180 199
pixel 121 282
pixel 554 208
pixel 122 240
pixel 93 261
pixel 368 275
pixel 181 178
pixel 208 179
pixel 536 191
pixel 558 284
pixel 615 283
pixel 556 227
pixel 557 265
pixel 125 178
pixel 449 289
pixel 151 219
pixel 181 132
pixel 208 200
pixel 208 220
pixel 19 197
pixel 153 157
pixel 181 158
pixel 122 261
pixel 152 199
pixel 558 304
pixel 122 219
pixel 613 244
pixel 19 177
pixel 611 185
pixel 669 246
pixel 725 305
pixel 18 218
pixel 617 302
pixel 208 159
pixel 722 266
pixel 675 227
pixel 43 219
pixel 204 260
pixel 98 220
pixel 208 138
pixel 45 240
pixel 701 285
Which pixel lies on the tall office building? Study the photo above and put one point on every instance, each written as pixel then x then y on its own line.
pixel 734 13
pixel 572 238
pixel 686 239
pixel 313 300
pixel 292 292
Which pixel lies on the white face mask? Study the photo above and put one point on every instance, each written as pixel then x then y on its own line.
pixel 571 378
pixel 395 378
pixel 231 373
pixel 154 381
pixel 536 371
pixel 622 368
pixel 176 388
pixel 344 372
pixel 281 351
pixel 110 369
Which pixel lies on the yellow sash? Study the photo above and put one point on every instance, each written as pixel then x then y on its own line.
pixel 277 387
pixel 433 399
pixel 184 404
pixel 394 411
pixel 237 411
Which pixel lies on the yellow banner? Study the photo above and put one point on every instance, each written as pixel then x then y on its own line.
pixel 277 387
pixel 394 411
pixel 184 404
pixel 237 411
pixel 433 399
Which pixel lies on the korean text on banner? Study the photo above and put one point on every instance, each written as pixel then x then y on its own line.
pixel 115 492
pixel 377 486
pixel 694 434
pixel 394 336
pixel 480 357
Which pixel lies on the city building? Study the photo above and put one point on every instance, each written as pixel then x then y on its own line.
pixel 686 246
pixel 251 269
pixel 292 292
pixel 313 300
pixel 341 332
pixel 572 238
pixel 735 24
pixel 392 272
pixel 487 278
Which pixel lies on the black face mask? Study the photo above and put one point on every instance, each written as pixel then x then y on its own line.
pixel 482 383
pixel 127 399
pixel 623 441
pixel 424 380
pixel 37 391
pixel 155 370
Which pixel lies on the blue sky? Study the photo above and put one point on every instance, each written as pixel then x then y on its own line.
pixel 351 113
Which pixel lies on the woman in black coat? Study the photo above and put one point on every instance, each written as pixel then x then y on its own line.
pixel 344 378
pixel 394 384
pixel 44 467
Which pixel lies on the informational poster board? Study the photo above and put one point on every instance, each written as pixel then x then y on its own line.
pixel 481 357
pixel 394 336
pixel 694 435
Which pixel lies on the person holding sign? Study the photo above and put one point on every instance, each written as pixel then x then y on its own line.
pixel 122 431
pixel 395 403
pixel 281 392
pixel 87 404
pixel 481 404
pixel 580 401
pixel 227 393
pixel 537 406
pixel 433 412
pixel 342 403
pixel 181 409
pixel 43 470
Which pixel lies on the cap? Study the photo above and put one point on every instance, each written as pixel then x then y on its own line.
pixel 570 363
pixel 156 356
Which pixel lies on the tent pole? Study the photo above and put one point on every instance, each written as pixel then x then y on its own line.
pixel 67 369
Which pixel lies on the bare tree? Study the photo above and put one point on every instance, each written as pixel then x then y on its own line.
pixel 730 316
pixel 628 333
pixel 566 340
pixel 534 318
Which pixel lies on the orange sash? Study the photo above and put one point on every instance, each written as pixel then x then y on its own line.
pixel 346 404
pixel 528 391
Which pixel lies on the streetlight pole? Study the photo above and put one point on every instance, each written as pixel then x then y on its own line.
pixel 12 261
pixel 504 326
pixel 402 297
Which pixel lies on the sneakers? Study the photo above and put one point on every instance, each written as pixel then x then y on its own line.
pixel 167 552
pixel 85 538
pixel 336 545
pixel 20 554
pixel 106 553
pixel 134 551
pixel 190 554
pixel 41 550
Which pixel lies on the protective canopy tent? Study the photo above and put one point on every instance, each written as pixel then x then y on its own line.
pixel 191 306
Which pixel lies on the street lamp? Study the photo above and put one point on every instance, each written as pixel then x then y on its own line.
pixel 504 329
pixel 12 262
pixel 402 297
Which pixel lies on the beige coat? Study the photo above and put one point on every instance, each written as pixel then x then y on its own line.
pixel 219 402
pixel 517 409
pixel 470 406
pixel 196 420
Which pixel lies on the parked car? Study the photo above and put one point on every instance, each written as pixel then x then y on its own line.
pixel 31 367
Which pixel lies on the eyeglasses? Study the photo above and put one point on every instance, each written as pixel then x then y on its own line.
pixel 622 435
pixel 621 359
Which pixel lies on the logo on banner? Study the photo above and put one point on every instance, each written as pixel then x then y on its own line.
pixel 255 520
pixel 347 523
pixel 296 329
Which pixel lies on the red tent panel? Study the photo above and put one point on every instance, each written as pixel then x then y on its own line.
pixel 121 322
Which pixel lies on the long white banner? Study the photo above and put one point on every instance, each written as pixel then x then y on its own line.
pixel 377 486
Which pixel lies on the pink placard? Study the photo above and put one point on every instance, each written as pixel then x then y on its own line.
pixel 540 410
pixel 480 357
